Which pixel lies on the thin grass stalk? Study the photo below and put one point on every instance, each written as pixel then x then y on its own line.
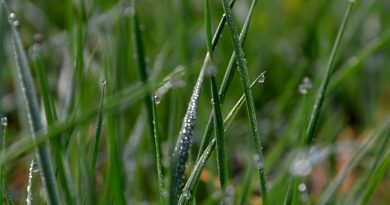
pixel 376 179
pixel 243 70
pixel 98 131
pixel 326 78
pixel 246 185
pixel 356 159
pixel 3 130
pixel 150 106
pixel 157 140
pixel 29 94
pixel 184 140
pixel 227 79
pixel 220 137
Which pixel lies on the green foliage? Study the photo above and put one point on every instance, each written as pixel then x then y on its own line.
pixel 316 127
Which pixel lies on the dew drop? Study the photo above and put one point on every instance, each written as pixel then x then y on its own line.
pixel 262 77
pixel 187 193
pixel 103 82
pixel 258 161
pixel 4 121
pixel 157 99
pixel 301 166
pixel 12 15
pixel 35 167
pixel 305 86
pixel 302 187
pixel 12 18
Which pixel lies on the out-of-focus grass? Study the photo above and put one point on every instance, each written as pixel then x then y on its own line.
pixel 82 42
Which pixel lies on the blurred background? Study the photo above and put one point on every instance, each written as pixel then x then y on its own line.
pixel 290 39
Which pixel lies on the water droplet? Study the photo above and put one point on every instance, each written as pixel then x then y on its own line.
pixel 12 15
pixel 35 167
pixel 305 86
pixel 211 70
pixel 157 99
pixel 301 165
pixel 4 121
pixel 258 161
pixel 302 187
pixel 103 82
pixel 187 193
pixel 262 77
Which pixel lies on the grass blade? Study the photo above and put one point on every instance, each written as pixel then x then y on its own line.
pixel 98 130
pixel 244 76
pixel 220 137
pixel 3 126
pixel 192 181
pixel 227 79
pixel 150 106
pixel 375 179
pixel 184 140
pixel 325 80
pixel 157 144
pixel 26 82
pixel 207 24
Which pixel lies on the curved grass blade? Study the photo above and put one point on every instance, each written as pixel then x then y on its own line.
pixel 26 83
pixel 184 140
pixel 356 159
pixel 244 76
pixel 325 80
pixel 227 79
pixel 220 137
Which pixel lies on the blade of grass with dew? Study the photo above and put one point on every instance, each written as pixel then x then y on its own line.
pixel 157 144
pixel 207 24
pixel 325 80
pixel 148 101
pixel 195 174
pixel 220 137
pixel 121 100
pixel 244 76
pixel 375 179
pixel 356 159
pixel 29 183
pixel 192 182
pixel 26 83
pixel 3 130
pixel 227 79
pixel 51 117
pixel 185 136
pixel 99 120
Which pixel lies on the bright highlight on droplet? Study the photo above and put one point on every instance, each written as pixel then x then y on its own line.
pixel 262 77
pixel 157 99
pixel 305 86
pixel 4 121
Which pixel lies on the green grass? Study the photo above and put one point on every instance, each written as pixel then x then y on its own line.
pixel 165 126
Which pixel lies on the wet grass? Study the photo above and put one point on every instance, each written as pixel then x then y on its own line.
pixel 165 126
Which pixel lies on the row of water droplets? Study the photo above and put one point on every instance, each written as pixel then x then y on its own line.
pixel 33 169
pixel 305 86
pixel 13 19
